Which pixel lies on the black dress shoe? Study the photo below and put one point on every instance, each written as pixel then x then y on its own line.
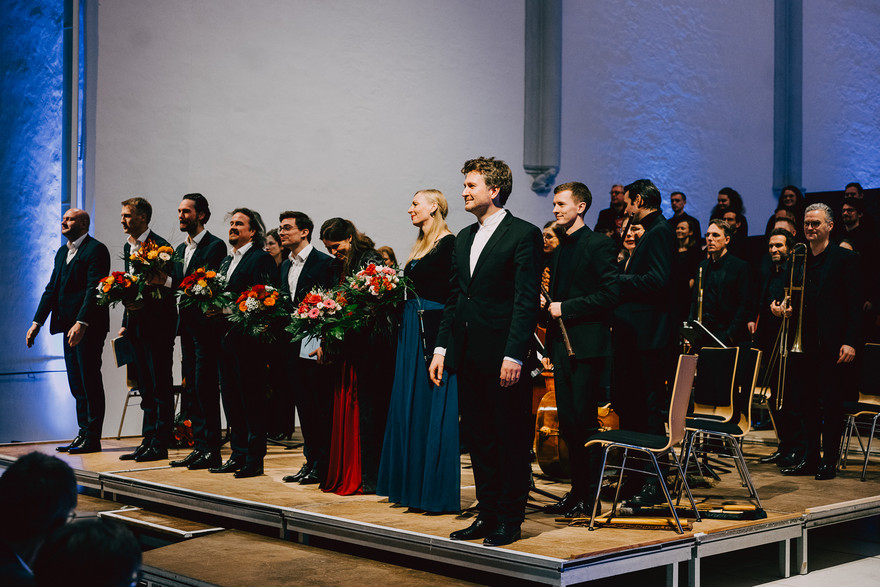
pixel 650 495
pixel 479 529
pixel 504 534
pixel 185 461
pixel 789 460
pixel 153 453
pixel 801 469
pixel 826 471
pixel 207 460
pixel 132 455
pixel 297 477
pixel 581 510
pixel 249 470
pixel 771 458
pixel 310 479
pixel 568 501
pixel 230 466
pixel 85 447
pixel 73 443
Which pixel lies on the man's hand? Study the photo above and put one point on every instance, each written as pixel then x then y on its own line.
pixel 121 332
pixel 752 327
pixel 318 353
pixel 435 371
pixel 158 278
pixel 32 334
pixel 847 354
pixel 134 306
pixel 510 372
pixel 555 309
pixel 780 309
pixel 76 334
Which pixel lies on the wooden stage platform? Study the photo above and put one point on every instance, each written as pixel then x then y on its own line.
pixel 549 553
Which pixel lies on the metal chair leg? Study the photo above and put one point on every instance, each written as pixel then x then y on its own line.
pixel 868 448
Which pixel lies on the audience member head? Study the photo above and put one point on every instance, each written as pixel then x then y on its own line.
pixel 791 198
pixel 94 552
pixel 273 246
pixel 388 256
pixel 551 233
pixel 733 220
pixel 642 197
pixel 617 204
pixel 686 231
pixel 677 201
pixel 851 213
pixel 428 212
pixel 729 199
pixel 854 190
pixel 786 224
pixel 37 494
pixel 780 245
pixel 496 174
pixel 718 235
pixel 608 229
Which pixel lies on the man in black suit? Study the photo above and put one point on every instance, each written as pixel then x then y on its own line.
pixel 70 297
pixel 642 334
pixel 150 324
pixel 584 290
pixel 304 269
pixel 613 217
pixel 199 336
pixel 486 338
pixel 831 333
pixel 677 201
pixel 243 360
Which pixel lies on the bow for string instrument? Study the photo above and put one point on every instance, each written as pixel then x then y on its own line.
pixel 560 323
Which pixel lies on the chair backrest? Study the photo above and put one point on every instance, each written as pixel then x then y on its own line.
pixel 715 383
pixel 747 368
pixel 869 384
pixel 681 397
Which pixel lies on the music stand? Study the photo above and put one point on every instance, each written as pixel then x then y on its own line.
pixel 699 336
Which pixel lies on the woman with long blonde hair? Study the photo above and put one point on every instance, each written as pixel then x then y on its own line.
pixel 420 466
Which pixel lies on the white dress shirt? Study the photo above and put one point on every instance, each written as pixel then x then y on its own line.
pixel 297 262
pixel 73 246
pixel 192 243
pixel 236 258
pixel 484 233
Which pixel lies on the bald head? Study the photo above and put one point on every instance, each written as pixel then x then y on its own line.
pixel 75 223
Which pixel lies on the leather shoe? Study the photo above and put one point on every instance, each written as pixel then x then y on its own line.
pixel 581 510
pixel 85 447
pixel 826 471
pixel 249 470
pixel 771 458
pixel 231 465
pixel 479 529
pixel 132 455
pixel 801 469
pixel 207 460
pixel 504 534
pixel 568 501
pixel 153 453
pixel 297 477
pixel 311 478
pixel 649 495
pixel 185 461
pixel 73 443
pixel 789 460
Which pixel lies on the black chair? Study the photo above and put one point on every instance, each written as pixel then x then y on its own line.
pixel 866 410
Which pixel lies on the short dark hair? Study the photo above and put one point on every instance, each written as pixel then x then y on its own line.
pixel 141 207
pixel 37 492
pixel 579 191
pixel 789 239
pixel 857 185
pixel 256 224
pixel 303 222
pixel 787 220
pixel 649 192
pixel 98 552
pixel 201 204
pixel 683 197
pixel 723 225
pixel 495 172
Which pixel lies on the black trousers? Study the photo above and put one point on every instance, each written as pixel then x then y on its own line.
pixel 494 424
pixel 152 338
pixel 243 385
pixel 639 394
pixel 315 406
pixel 578 389
pixel 83 364
pixel 207 351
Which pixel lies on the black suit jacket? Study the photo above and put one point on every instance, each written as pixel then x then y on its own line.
pixel 588 294
pixel 70 296
pixel 257 267
pixel 157 315
pixel 318 271
pixel 645 293
pixel 492 314
pixel 209 254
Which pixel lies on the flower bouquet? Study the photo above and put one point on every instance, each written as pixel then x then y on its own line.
pixel 150 259
pixel 118 287
pixel 259 312
pixel 203 289
pixel 322 315
pixel 375 294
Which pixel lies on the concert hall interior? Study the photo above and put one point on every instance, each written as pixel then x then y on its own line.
pixel 347 108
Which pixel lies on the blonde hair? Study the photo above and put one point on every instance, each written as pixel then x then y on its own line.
pixel 426 240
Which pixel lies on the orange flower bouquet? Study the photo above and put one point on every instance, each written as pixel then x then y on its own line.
pixel 375 295
pixel 203 289
pixel 260 312
pixel 323 315
pixel 148 260
pixel 118 287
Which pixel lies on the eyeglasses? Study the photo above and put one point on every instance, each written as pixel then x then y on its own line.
pixel 549 237
pixel 286 228
pixel 616 192
pixel 813 223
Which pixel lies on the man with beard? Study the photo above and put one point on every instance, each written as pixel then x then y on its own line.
pixel 199 336
pixel 70 298
pixel 243 360
pixel 150 325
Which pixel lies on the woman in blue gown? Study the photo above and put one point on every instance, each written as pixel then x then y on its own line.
pixel 420 466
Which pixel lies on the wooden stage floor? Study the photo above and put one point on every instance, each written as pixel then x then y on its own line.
pixel 549 552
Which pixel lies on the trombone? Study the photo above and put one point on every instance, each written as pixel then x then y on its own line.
pixel 797 276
